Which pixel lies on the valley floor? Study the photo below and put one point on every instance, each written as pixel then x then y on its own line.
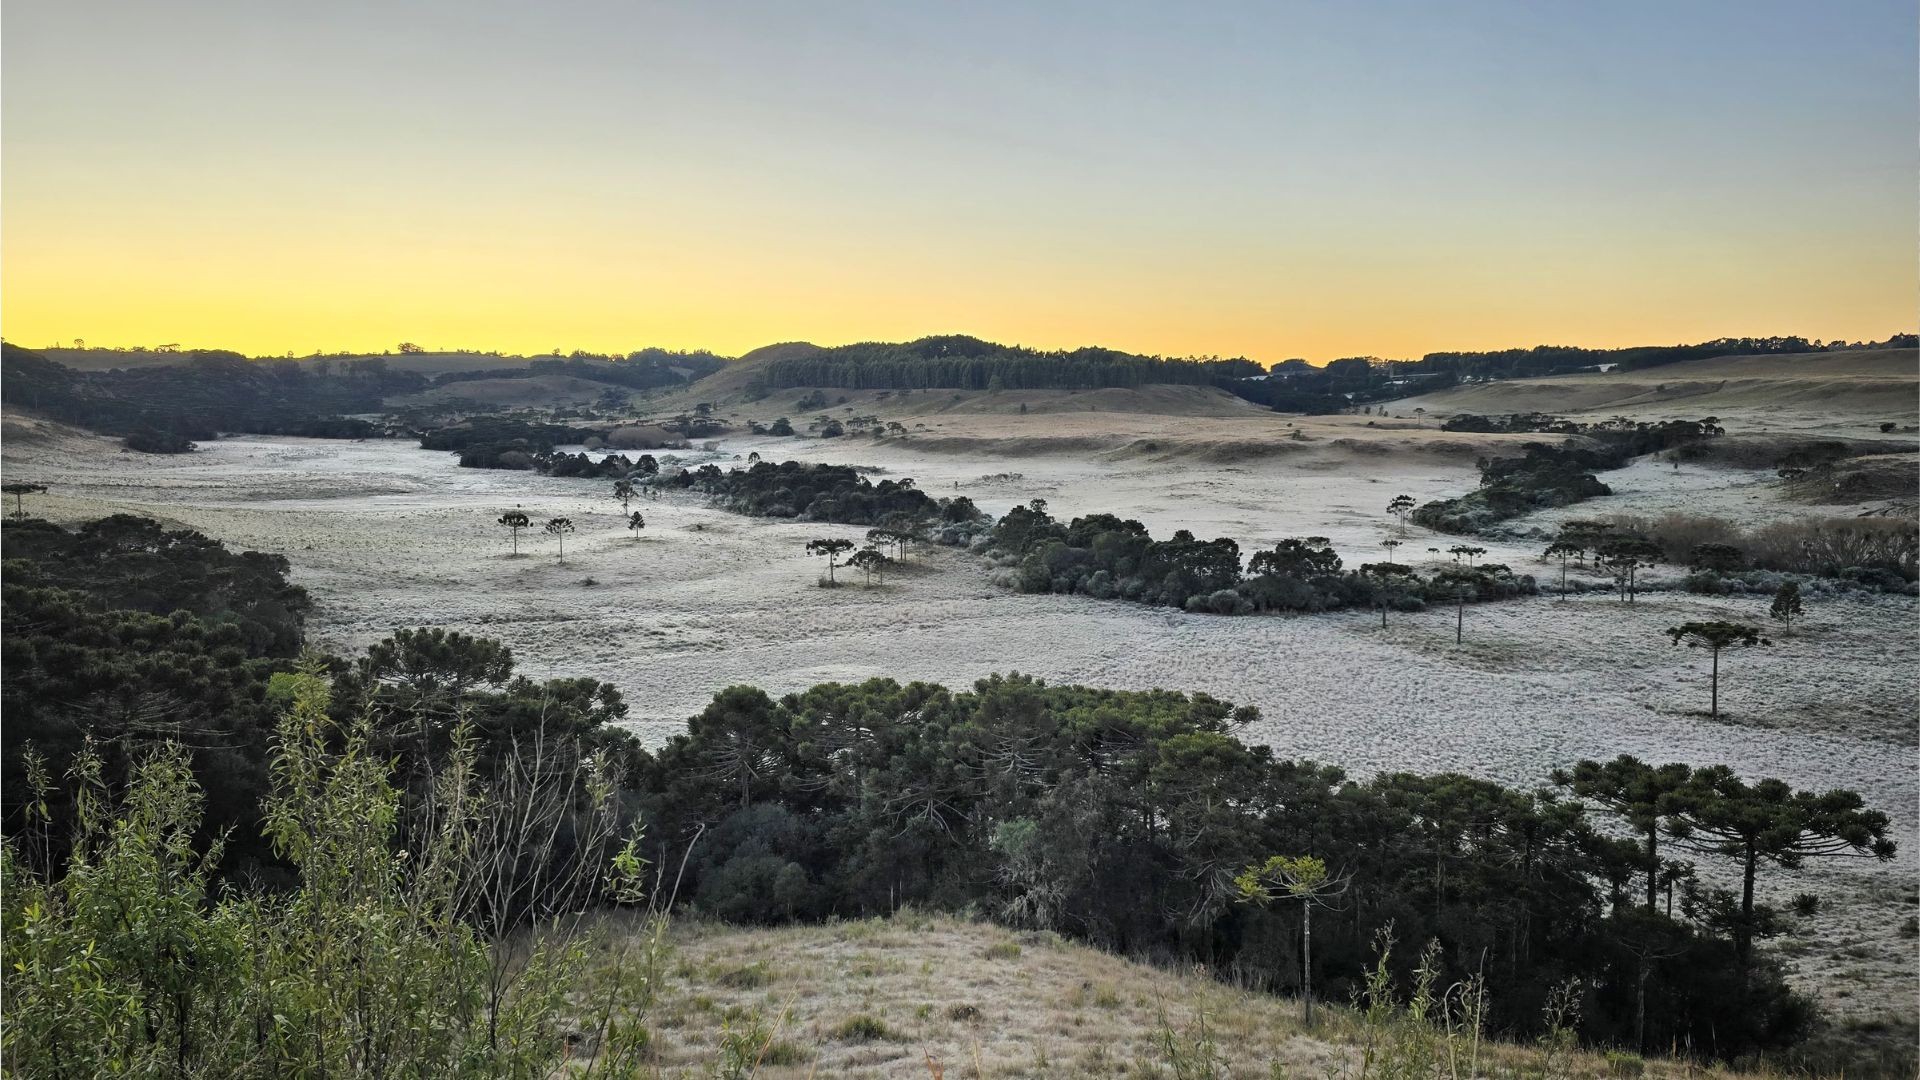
pixel 387 536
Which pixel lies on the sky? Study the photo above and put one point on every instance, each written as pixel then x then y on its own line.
pixel 1269 179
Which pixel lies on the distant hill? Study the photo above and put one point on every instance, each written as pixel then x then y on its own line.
pixel 1868 385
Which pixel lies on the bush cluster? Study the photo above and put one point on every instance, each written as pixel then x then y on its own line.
pixel 836 493
pixel 1544 475
pixel 1106 557
pixel 1877 552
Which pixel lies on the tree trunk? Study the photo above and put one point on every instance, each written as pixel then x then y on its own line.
pixel 1653 867
pixel 1640 1008
pixel 1743 936
pixel 1459 618
pixel 1714 708
pixel 1306 956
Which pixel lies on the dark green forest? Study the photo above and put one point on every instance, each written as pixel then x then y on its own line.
pixel 967 363
pixel 818 492
pixel 163 407
pixel 1105 557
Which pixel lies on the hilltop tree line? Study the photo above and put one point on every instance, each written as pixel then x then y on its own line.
pixel 967 363
pixel 1296 386
pixel 164 408
pixel 1342 384
pixel 1128 819
pixel 646 369
pixel 1557 359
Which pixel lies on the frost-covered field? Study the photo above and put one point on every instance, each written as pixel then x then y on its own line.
pixel 386 535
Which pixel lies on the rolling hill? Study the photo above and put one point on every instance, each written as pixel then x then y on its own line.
pixel 1819 389
pixel 932 995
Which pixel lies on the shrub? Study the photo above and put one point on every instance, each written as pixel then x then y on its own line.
pixel 370 959
pixel 152 441
pixel 862 1028
pixel 1625 1064
pixel 750 977
pixel 1877 552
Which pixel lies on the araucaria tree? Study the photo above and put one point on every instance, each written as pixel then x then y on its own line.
pixel 898 535
pixel 1626 557
pixel 1466 551
pixel 1389 545
pixel 1715 636
pixel 1786 604
pixel 558 528
pixel 832 548
pixel 635 523
pixel 1392 585
pixel 1643 796
pixel 1303 878
pixel 1771 822
pixel 1400 506
pixel 1563 550
pixel 870 561
pixel 623 491
pixel 17 489
pixel 515 520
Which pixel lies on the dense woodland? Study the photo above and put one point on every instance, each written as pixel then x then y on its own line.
pixel 1128 819
pixel 164 407
pixel 967 363
pixel 646 369
pixel 815 492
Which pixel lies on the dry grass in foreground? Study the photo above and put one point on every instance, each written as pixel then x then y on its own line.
pixel 935 996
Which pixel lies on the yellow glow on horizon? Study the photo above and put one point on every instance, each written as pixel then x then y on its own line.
pixel 364 286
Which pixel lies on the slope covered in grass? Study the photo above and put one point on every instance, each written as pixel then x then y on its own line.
pixel 936 996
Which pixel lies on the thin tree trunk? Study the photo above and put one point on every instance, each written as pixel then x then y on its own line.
pixel 1306 956
pixel 1714 708
pixel 1640 1009
pixel 1653 864
pixel 1743 939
